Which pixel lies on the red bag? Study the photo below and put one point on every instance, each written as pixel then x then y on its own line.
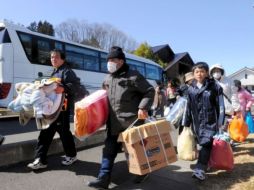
pixel 221 155
pixel 91 113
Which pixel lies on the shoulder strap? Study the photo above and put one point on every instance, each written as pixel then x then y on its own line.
pixel 227 98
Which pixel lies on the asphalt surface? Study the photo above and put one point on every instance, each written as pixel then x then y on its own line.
pixel 176 176
pixel 57 177
pixel 10 126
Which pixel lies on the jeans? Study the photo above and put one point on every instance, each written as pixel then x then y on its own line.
pixel 110 150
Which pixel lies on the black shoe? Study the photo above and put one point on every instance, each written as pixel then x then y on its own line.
pixel 2 138
pixel 100 183
pixel 140 178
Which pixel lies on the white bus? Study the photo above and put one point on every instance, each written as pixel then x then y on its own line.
pixel 24 54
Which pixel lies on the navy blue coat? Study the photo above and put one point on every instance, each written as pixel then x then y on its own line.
pixel 205 110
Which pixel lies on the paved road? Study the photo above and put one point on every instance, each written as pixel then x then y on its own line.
pixel 57 177
pixel 10 126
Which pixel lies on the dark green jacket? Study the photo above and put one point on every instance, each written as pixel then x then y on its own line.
pixel 128 91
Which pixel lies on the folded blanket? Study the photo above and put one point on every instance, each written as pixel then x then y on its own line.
pixel 39 99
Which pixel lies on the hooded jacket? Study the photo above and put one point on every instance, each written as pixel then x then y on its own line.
pixel 246 100
pixel 205 110
pixel 128 91
pixel 229 91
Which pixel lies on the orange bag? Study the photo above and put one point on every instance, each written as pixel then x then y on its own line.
pixel 91 113
pixel 238 129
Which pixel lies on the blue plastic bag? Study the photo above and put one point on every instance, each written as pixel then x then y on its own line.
pixel 250 122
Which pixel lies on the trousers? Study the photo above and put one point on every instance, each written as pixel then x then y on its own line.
pixel 62 126
pixel 110 150
pixel 204 156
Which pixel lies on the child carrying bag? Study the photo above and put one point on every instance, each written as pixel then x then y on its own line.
pixel 186 145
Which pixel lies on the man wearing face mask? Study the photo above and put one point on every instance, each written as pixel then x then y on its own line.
pixel 130 97
pixel 231 100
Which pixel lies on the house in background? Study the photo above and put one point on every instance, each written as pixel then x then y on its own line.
pixel 246 76
pixel 177 63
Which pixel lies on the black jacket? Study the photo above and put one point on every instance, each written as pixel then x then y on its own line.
pixel 127 91
pixel 205 110
pixel 69 81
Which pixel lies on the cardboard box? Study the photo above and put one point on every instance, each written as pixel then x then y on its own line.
pixel 148 147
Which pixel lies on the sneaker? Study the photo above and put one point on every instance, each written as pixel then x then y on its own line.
pixel 69 160
pixel 2 138
pixel 140 178
pixel 199 174
pixel 37 164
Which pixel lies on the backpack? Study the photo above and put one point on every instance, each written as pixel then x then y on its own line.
pixel 80 93
pixel 80 89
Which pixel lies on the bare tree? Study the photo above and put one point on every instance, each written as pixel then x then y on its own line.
pixel 98 35
pixel 68 30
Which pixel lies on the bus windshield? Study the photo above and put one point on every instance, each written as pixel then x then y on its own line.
pixel 4 36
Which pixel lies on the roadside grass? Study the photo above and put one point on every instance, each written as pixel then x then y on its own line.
pixel 241 177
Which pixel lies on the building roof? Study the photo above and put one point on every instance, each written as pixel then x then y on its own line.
pixel 183 57
pixel 241 70
pixel 164 52
pixel 156 49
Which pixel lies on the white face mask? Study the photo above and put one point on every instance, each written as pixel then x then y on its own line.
pixel 111 67
pixel 217 75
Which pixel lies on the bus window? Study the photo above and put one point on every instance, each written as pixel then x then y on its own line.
pixel 75 60
pixel 153 72
pixel 26 41
pixel 4 36
pixel 133 67
pixel 59 46
pixel 91 63
pixel 90 58
pixel 103 61
pixel 43 52
pixel 136 65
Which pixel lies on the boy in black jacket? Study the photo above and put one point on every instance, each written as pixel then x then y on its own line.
pixel 205 113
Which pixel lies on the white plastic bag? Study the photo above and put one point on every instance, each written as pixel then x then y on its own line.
pixel 176 113
pixel 186 145
pixel 166 111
